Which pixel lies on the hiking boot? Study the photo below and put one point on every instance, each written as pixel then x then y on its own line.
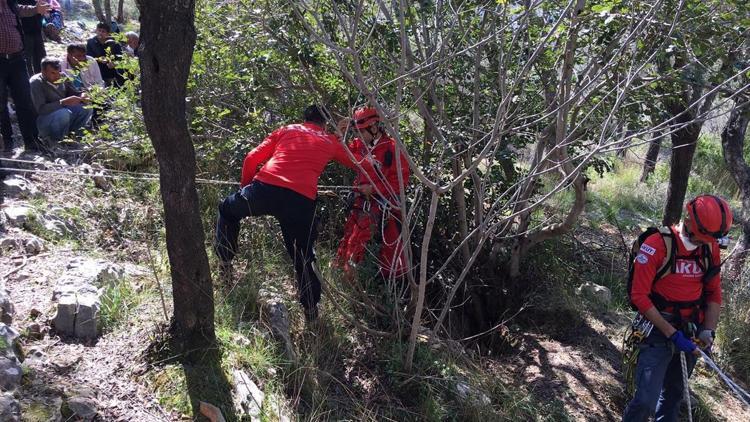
pixel 311 315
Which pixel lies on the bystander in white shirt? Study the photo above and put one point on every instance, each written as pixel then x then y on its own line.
pixel 86 74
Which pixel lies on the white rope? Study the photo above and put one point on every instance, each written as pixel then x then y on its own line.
pixel 124 174
pixel 739 392
pixel 686 391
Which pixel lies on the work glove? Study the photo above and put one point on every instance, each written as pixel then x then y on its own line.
pixel 707 337
pixel 683 343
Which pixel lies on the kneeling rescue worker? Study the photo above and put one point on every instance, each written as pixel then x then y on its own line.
pixel 675 284
pixel 375 206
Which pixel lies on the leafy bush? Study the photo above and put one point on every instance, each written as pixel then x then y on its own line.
pixel 733 335
pixel 710 173
pixel 621 190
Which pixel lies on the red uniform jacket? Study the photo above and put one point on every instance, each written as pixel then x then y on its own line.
pixel 384 175
pixel 293 157
pixel 684 285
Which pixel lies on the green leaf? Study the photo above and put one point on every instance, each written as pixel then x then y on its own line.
pixel 603 8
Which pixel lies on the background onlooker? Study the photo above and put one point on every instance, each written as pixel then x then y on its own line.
pixel 53 22
pixel 58 105
pixel 106 51
pixel 132 43
pixel 83 70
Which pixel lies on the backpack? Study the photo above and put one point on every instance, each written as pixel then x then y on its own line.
pixel 669 266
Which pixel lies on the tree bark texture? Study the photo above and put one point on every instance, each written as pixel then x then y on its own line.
pixel 98 10
pixel 733 146
pixel 684 142
pixel 652 156
pixel 687 113
pixel 107 11
pixel 167 42
pixel 121 11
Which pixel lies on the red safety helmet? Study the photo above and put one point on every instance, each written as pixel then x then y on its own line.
pixel 365 117
pixel 708 218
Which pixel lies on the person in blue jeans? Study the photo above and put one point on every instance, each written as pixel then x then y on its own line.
pixel 676 284
pixel 59 106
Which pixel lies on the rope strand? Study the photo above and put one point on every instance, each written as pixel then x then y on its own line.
pixel 739 392
pixel 125 175
pixel 686 391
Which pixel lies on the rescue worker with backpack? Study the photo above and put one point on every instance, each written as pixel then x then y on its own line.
pixel 280 178
pixel 675 285
pixel 375 204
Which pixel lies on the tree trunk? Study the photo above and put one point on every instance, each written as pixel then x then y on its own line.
pixel 107 11
pixel 733 146
pixel 652 156
pixel 459 197
pixel 120 11
pixel 684 142
pixel 98 10
pixel 167 41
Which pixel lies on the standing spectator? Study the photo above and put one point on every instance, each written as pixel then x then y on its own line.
pixel 82 69
pixel 58 104
pixel 106 52
pixel 133 41
pixel 33 40
pixel 13 73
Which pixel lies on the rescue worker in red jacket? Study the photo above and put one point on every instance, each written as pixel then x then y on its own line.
pixel 291 160
pixel 376 205
pixel 683 304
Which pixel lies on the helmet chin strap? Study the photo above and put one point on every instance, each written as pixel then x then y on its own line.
pixel 687 238
pixel 376 135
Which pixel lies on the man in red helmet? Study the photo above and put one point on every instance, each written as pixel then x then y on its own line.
pixel 291 160
pixel 676 285
pixel 376 206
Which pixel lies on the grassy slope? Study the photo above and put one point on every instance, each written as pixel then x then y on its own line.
pixel 346 374
pixel 563 363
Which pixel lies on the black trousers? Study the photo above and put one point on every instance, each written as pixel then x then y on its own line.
pixel 33 48
pixel 6 130
pixel 13 77
pixel 296 216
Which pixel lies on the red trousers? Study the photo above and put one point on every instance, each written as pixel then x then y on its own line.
pixel 359 228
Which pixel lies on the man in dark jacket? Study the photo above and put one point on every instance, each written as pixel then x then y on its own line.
pixel 106 51
pixel 13 74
